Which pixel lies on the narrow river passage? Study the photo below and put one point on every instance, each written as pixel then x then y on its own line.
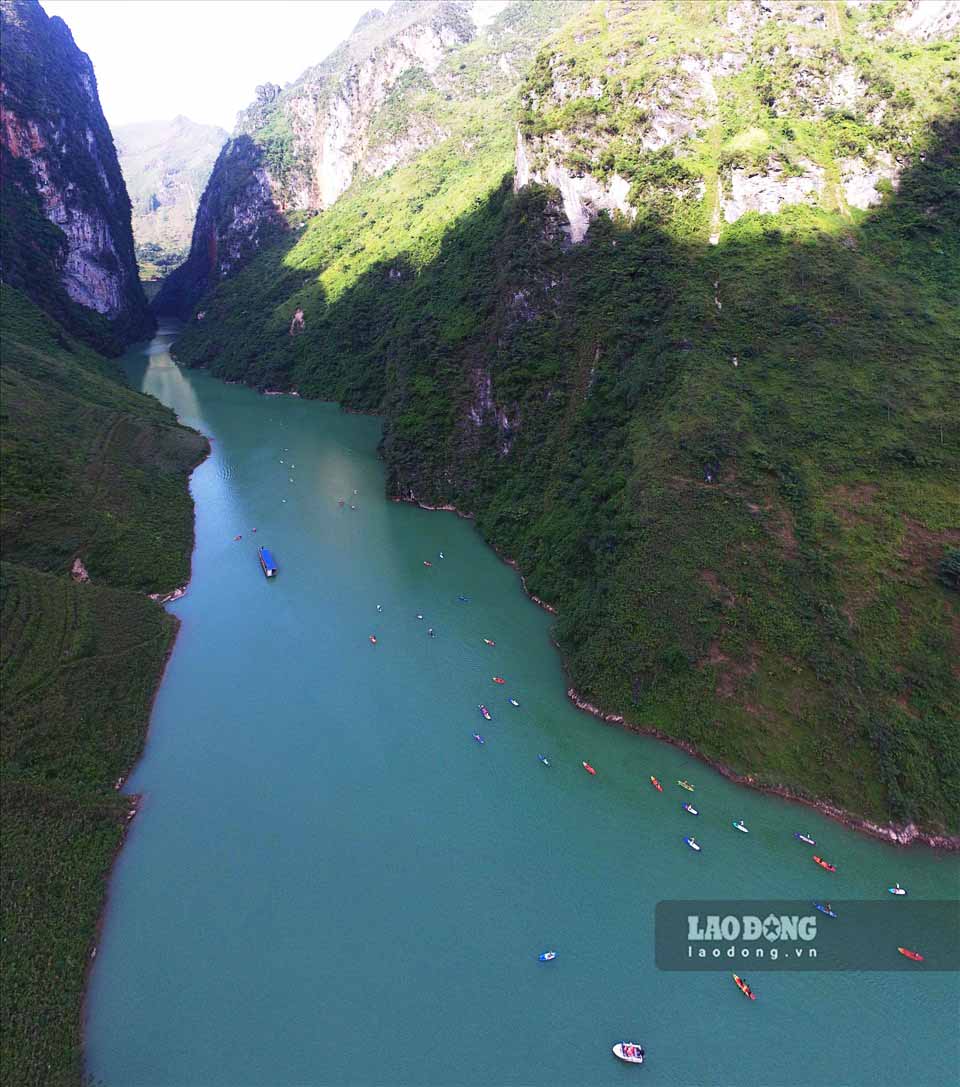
pixel 332 883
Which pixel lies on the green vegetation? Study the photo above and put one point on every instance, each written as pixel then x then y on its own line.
pixel 95 470
pixel 732 467
pixel 91 468
pixel 79 664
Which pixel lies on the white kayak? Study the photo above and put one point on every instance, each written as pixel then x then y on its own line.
pixel 631 1052
pixel 740 826
pixel 896 889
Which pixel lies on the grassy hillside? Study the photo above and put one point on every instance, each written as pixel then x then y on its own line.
pixel 91 468
pixel 80 664
pixel 732 467
pixel 95 470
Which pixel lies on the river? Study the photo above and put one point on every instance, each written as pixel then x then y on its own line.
pixel 331 883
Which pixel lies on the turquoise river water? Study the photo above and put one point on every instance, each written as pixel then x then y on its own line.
pixel 331 883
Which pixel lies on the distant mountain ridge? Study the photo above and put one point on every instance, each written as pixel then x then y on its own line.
pixel 68 241
pixel 166 165
pixel 404 81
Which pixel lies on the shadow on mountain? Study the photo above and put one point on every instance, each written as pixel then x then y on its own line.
pixel 729 466
pixel 237 180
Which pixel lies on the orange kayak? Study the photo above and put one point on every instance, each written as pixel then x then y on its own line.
pixel 589 769
pixel 744 988
pixel 824 864
pixel 656 784
pixel 915 955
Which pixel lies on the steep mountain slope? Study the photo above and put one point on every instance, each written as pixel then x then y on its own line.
pixel 95 513
pixel 402 83
pixel 67 241
pixel 166 166
pixel 681 331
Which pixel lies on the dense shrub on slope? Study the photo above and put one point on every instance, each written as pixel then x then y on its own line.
pixel 731 466
pixel 95 471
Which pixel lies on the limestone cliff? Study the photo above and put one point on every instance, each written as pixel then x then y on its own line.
pixel 752 106
pixel 300 148
pixel 67 240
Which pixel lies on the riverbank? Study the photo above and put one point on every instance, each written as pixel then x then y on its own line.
pixel 904 835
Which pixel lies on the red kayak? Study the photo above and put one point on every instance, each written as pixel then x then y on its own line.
pixel 589 769
pixel 497 679
pixel 743 986
pixel 656 784
pixel 915 955
pixel 425 563
pixel 824 864
pixel 373 640
pixel 486 641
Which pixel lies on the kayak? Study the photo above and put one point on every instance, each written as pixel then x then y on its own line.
pixel 656 784
pixel 824 909
pixel 685 785
pixel 544 760
pixel 896 889
pixel 486 641
pixel 740 826
pixel 547 956
pixel 804 838
pixel 463 599
pixel 741 984
pixel 499 679
pixel 373 639
pixel 485 712
pixel 479 738
pixel 513 702
pixel 692 842
pixel 825 864
pixel 589 769
pixel 630 1052
pixel 425 563
pixel 915 955
pixel 690 808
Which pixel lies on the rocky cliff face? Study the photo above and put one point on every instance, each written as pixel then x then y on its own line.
pixel 300 148
pixel 753 107
pixel 67 237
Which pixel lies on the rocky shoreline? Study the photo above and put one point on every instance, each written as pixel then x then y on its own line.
pixel 891 832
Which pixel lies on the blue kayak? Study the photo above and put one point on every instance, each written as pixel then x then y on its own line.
pixel 544 760
pixel 824 909
pixel 547 956
pixel 513 702
pixel 479 738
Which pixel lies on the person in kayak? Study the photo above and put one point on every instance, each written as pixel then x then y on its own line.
pixel 430 633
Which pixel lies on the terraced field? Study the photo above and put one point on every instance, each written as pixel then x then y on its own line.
pixel 95 471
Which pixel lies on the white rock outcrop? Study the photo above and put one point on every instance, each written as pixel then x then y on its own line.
pixel 583 196
pixel 928 19
pixel 768 191
pixel 860 179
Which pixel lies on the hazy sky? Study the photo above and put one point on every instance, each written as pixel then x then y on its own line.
pixel 203 58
